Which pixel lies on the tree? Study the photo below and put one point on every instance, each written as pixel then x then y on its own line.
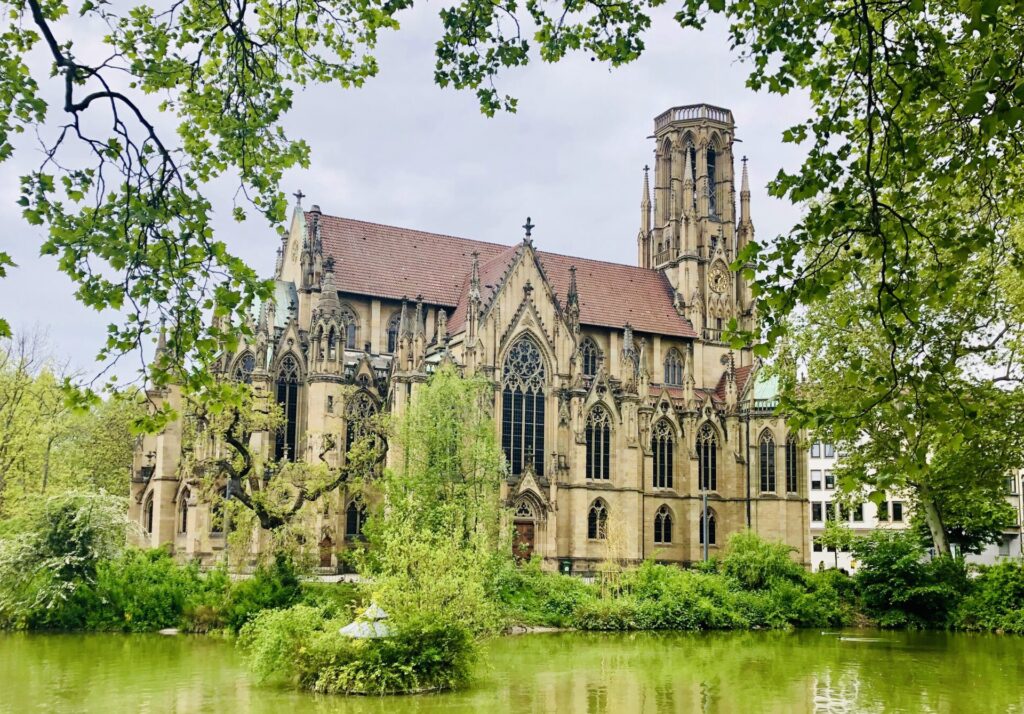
pixel 437 532
pixel 913 136
pixel 56 550
pixel 220 452
pixel 47 447
pixel 950 431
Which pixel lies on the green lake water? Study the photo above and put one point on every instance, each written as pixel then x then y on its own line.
pixel 570 672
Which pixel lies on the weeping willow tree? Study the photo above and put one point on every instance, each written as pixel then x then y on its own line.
pixel 438 529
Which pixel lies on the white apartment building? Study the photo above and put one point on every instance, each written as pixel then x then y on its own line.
pixel 861 519
pixel 893 513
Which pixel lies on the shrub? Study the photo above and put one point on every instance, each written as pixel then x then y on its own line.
pixel 141 591
pixel 531 596
pixel 996 600
pixel 899 589
pixel 755 563
pixel 272 639
pixel 336 600
pixel 53 551
pixel 271 587
pixel 416 659
pixel 302 646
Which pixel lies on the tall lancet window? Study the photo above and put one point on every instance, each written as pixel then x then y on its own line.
pixel 767 462
pixel 663 445
pixel 349 323
pixel 691 151
pixel 792 484
pixel 712 183
pixel 674 368
pixel 393 332
pixel 361 408
pixel 245 367
pixel 707 458
pixel 599 436
pixel 589 352
pixel 288 400
pixel 522 406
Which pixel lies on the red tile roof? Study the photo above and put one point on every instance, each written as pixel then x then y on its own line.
pixel 742 375
pixel 388 262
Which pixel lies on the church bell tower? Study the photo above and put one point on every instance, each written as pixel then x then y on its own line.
pixel 689 228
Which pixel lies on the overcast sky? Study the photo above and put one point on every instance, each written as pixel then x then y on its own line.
pixel 402 151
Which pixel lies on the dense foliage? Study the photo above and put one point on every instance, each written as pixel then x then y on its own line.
pixel 47 448
pixel 756 585
pixel 69 570
pixel 432 548
pixel 301 646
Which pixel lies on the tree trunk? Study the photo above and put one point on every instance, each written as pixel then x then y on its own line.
pixel 934 520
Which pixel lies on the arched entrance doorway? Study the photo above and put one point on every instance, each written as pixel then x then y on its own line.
pixel 524 537
pixel 326 551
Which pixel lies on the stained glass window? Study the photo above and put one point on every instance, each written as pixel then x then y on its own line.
pixel 522 406
pixel 598 433
pixel 663 444
pixel 707 457
pixel 288 399
pixel 767 462
pixel 597 521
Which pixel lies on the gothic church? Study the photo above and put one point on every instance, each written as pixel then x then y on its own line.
pixel 620 408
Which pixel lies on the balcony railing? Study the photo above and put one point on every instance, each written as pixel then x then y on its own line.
pixel 693 111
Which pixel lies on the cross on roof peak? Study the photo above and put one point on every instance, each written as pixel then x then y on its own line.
pixel 299 195
pixel 528 227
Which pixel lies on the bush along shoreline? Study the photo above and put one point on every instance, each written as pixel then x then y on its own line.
pixel 68 573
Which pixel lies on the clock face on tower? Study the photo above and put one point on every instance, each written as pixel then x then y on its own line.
pixel 718 278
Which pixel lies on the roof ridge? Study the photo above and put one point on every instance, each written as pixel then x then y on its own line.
pixel 505 246
pixel 413 230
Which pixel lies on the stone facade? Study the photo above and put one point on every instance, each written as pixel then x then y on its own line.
pixel 617 403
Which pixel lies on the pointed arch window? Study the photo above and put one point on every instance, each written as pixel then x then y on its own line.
pixel 663 446
pixel 691 150
pixel 183 511
pixel 712 182
pixel 599 436
pixel 147 514
pixel 712 528
pixel 217 516
pixel 522 407
pixel 663 525
pixel 674 368
pixel 393 324
pixel 589 352
pixel 349 324
pixel 767 462
pixel 360 409
pixel 332 344
pixel 707 458
pixel 792 484
pixel 597 520
pixel 244 368
pixel 355 519
pixel 288 400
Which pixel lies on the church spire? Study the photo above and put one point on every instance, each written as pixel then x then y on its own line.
pixel 572 302
pixel 745 196
pixel 644 238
